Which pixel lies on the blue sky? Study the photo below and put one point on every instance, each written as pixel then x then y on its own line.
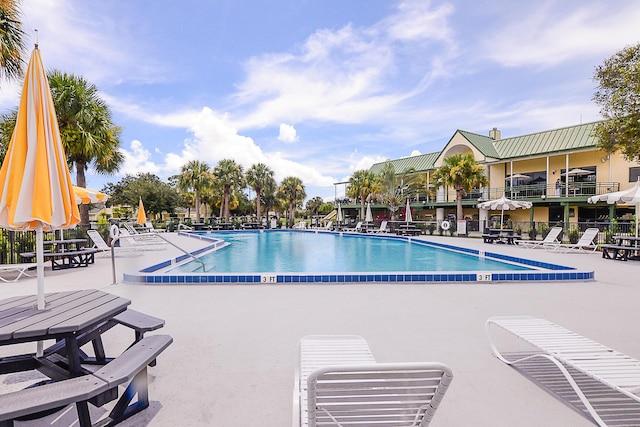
pixel 321 88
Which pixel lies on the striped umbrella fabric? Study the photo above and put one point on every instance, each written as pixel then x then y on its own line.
pixel 36 191
pixel 84 196
pixel 142 216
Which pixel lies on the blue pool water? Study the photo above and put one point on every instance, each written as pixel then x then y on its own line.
pixel 281 251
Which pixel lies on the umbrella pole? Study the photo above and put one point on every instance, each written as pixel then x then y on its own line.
pixel 501 217
pixel 40 265
pixel 40 278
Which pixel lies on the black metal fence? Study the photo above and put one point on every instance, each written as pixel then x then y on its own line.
pixel 13 243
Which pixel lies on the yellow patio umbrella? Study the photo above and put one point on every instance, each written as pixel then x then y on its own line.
pixel 142 216
pixel 36 191
pixel 84 196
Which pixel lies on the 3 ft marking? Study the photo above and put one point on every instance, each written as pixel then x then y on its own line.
pixel 268 278
pixel 483 277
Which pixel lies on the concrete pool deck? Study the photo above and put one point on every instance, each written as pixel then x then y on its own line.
pixel 234 351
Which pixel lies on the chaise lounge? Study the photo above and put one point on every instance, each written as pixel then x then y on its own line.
pixel 338 382
pixel 569 351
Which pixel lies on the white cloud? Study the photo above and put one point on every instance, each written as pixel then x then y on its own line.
pixel 288 133
pixel 554 32
pixel 348 75
pixel 213 139
pixel 415 153
pixel 137 160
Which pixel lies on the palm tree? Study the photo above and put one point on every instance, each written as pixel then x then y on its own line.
pixel 292 190
pixel 258 177
pixel 87 131
pixel 196 176
pixel 396 188
pixel 363 185
pixel 11 40
pixel 314 205
pixel 463 173
pixel 228 174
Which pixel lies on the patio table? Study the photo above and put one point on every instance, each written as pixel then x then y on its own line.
pixel 72 318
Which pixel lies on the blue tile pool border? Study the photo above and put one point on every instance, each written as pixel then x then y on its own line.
pixel 544 272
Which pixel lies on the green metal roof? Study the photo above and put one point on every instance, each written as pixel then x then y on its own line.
pixel 483 143
pixel 423 162
pixel 551 141
pixel 534 144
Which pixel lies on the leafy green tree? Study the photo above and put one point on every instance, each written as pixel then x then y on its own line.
pixel 258 177
pixel 228 175
pixel 618 95
pixel 12 44
pixel 313 205
pixel 156 195
pixel 362 186
pixel 293 192
pixel 196 176
pixel 461 172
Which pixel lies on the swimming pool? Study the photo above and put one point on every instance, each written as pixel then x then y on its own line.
pixel 294 252
pixel 325 257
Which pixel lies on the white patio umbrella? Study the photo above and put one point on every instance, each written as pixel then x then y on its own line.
pixel 407 214
pixel 368 216
pixel 504 204
pixel 579 172
pixel 339 218
pixel 630 196
pixel 36 191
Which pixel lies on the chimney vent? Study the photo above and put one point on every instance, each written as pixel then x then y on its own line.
pixel 495 134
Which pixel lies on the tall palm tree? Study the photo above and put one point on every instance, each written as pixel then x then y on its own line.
pixel 396 188
pixel 12 44
pixel 228 174
pixel 258 177
pixel 292 190
pixel 362 186
pixel 463 173
pixel 87 131
pixel 196 176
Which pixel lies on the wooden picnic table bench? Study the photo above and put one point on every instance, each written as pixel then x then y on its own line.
pixel 69 259
pixel 617 252
pixel 98 388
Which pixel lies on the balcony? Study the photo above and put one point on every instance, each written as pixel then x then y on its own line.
pixel 544 191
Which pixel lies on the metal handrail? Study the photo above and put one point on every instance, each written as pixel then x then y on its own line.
pixel 113 252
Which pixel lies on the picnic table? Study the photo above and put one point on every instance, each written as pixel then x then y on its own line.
pixel 408 229
pixel 499 235
pixel 625 248
pixel 71 318
pixel 74 319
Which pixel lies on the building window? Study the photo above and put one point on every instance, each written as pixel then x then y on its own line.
pixel 634 173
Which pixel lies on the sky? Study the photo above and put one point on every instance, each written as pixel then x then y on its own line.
pixel 319 89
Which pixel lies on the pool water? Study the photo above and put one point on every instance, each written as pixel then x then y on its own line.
pixel 290 252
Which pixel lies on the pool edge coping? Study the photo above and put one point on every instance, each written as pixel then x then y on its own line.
pixel 551 272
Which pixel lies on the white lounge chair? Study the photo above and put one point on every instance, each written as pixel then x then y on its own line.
pixel 338 383
pixel 357 228
pixel 101 245
pixel 552 238
pixel 569 351
pixel 586 243
pixel 21 269
pixel 383 228
pixel 132 241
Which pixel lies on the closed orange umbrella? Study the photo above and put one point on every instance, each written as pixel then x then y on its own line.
pixel 142 216
pixel 36 191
